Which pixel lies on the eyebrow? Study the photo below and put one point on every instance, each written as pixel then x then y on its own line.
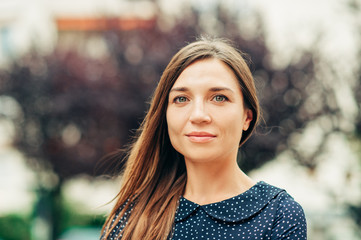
pixel 213 89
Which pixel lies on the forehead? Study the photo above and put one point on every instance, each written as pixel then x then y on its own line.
pixel 207 72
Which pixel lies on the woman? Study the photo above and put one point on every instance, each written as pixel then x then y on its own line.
pixel 181 179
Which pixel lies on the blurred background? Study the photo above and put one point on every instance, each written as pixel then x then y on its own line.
pixel 76 78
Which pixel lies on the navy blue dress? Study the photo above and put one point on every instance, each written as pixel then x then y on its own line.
pixel 262 212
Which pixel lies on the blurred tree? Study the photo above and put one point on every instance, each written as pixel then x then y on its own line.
pixel 78 108
pixel 14 227
pixel 355 10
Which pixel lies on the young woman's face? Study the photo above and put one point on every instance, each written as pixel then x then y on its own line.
pixel 206 114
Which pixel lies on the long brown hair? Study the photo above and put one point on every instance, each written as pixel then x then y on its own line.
pixel 155 173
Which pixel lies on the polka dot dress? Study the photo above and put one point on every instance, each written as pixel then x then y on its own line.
pixel 262 212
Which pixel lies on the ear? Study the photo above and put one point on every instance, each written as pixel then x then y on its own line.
pixel 248 117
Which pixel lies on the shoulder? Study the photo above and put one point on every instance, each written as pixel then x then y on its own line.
pixel 278 196
pixel 289 219
pixel 287 205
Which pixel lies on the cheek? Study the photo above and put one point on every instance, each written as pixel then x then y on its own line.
pixel 173 133
pixel 232 125
pixel 175 118
pixel 176 123
pixel 172 122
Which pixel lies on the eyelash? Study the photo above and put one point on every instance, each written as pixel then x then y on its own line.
pixel 177 99
pixel 222 96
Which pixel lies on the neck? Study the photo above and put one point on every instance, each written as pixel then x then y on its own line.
pixel 214 182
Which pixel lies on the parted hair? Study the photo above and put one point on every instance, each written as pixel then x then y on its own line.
pixel 155 174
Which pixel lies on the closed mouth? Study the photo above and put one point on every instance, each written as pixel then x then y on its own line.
pixel 200 137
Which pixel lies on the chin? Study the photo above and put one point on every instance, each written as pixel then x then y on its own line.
pixel 201 157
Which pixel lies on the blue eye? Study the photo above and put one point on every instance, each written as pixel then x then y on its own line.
pixel 220 98
pixel 180 99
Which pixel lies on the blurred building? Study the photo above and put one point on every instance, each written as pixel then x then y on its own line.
pixel 40 24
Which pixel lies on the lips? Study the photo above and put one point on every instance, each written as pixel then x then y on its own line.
pixel 200 137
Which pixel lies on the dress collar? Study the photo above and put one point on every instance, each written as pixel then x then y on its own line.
pixel 234 209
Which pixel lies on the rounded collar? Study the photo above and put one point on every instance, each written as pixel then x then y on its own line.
pixel 234 209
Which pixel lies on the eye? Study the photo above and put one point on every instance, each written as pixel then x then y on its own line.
pixel 220 98
pixel 180 99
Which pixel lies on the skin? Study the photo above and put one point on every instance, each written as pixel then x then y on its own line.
pixel 206 116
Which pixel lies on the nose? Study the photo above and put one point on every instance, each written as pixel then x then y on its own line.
pixel 199 113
